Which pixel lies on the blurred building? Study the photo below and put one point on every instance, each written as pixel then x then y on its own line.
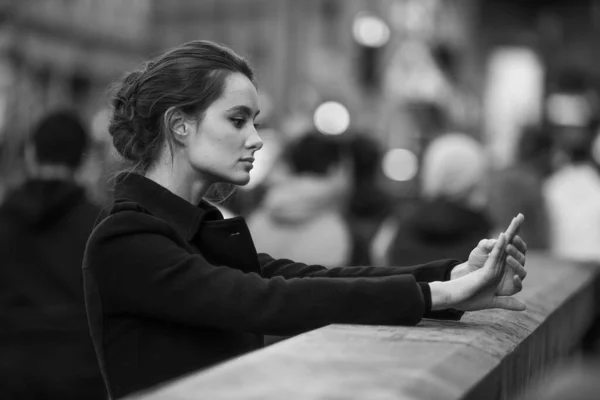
pixel 67 52
pixel 525 48
pixel 407 70
pixel 57 53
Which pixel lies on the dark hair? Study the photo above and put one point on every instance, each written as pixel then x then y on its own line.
pixel 60 138
pixel 188 78
pixel 314 153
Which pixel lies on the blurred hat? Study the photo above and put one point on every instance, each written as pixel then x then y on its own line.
pixel 453 165
pixel 60 138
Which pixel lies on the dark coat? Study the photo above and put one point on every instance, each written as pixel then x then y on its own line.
pixel 436 229
pixel 46 350
pixel 173 288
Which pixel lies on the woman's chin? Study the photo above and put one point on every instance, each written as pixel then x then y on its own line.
pixel 241 180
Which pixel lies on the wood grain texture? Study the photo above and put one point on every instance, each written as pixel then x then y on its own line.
pixel 494 354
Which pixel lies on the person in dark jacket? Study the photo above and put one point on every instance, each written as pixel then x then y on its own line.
pixel 171 287
pixel 450 214
pixel 303 212
pixel 46 351
pixel 520 187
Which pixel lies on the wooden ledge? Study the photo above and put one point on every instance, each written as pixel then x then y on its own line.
pixel 492 354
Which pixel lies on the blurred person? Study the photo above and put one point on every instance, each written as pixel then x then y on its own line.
pixel 171 287
pixel 302 213
pixel 45 345
pixel 449 216
pixel 518 188
pixel 369 205
pixel 572 193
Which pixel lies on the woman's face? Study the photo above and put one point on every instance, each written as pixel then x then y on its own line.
pixel 222 145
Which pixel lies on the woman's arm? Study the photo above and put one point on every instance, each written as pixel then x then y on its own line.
pixel 430 272
pixel 434 271
pixel 140 269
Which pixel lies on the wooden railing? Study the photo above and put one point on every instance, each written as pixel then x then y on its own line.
pixel 494 354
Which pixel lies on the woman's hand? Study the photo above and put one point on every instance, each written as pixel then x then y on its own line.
pixel 515 258
pixel 480 289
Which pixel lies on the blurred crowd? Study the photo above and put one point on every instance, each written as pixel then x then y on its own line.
pixel 317 195
pixel 320 201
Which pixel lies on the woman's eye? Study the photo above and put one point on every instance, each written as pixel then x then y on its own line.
pixel 238 122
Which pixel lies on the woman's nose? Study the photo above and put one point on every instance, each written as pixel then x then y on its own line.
pixel 254 141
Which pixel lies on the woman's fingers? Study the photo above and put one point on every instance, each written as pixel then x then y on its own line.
pixel 517 242
pixel 512 251
pixel 508 303
pixel 494 260
pixel 520 244
pixel 518 283
pixel 514 226
pixel 498 248
pixel 516 266
pixel 487 244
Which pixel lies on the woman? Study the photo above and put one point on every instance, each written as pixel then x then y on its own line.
pixel 171 287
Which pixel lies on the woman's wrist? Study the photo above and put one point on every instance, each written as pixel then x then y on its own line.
pixel 459 271
pixel 441 295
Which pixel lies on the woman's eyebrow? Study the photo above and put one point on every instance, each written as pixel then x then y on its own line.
pixel 244 109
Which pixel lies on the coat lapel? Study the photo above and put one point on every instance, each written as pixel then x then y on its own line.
pixel 227 242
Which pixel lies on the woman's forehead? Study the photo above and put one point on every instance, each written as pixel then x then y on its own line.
pixel 239 91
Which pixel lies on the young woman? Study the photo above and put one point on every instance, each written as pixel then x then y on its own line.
pixel 172 287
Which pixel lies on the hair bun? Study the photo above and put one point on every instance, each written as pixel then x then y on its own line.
pixel 126 128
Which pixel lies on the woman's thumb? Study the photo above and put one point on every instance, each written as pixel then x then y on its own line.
pixel 508 303
pixel 486 245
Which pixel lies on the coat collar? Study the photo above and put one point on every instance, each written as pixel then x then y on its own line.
pixel 159 201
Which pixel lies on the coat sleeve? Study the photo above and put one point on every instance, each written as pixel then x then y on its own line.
pixel 143 270
pixel 429 272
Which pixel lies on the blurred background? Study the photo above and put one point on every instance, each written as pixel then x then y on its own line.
pixel 390 75
pixel 396 131
pixel 398 71
pixel 519 77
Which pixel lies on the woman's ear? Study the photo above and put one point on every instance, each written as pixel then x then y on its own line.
pixel 177 124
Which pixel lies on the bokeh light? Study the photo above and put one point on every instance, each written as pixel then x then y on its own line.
pixel 370 30
pixel 568 110
pixel 400 165
pixel 332 118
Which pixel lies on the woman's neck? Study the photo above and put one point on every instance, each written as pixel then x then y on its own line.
pixel 183 182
